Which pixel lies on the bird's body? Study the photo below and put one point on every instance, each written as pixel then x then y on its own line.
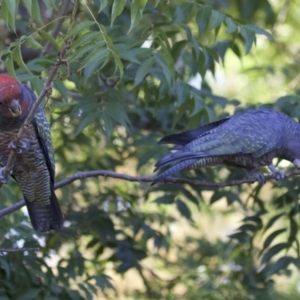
pixel 245 140
pixel 34 167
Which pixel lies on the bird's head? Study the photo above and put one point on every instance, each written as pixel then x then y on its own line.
pixel 13 100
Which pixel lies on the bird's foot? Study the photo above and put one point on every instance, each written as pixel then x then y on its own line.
pixel 296 162
pixel 3 177
pixel 19 145
pixel 258 177
pixel 275 173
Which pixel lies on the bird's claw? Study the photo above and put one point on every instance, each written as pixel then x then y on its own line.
pixel 259 177
pixel 277 175
pixel 19 145
pixel 3 178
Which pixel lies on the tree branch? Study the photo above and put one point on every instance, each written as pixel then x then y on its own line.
pixel 105 173
pixel 46 91
pixel 10 250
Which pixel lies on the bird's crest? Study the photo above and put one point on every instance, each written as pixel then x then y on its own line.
pixel 9 89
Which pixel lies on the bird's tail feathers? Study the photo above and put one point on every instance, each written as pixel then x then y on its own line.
pixel 186 137
pixel 176 168
pixel 177 157
pixel 45 217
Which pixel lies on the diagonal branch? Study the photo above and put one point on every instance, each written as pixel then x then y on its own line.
pixel 45 92
pixel 105 173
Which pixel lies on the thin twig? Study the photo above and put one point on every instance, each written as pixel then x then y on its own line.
pixel 56 29
pixel 105 173
pixel 46 91
pixel 9 250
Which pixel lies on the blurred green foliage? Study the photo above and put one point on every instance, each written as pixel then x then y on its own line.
pixel 135 71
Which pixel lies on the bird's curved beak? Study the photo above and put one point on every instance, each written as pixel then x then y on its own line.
pixel 15 108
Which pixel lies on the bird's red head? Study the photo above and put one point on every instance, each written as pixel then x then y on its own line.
pixel 12 103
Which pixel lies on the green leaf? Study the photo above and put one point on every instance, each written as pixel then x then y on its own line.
pixel 272 221
pixel 11 7
pixel 35 12
pixel 32 43
pixel 216 19
pixel 8 18
pixel 136 12
pixel 127 53
pixel 182 12
pixel 271 237
pixel 112 48
pixel 103 281
pixel 50 4
pixel 247 227
pixel 117 9
pixel 29 294
pixel 9 65
pixel 103 5
pixel 17 57
pixel 114 107
pixel 49 38
pixel 293 230
pixel 92 36
pixel 83 50
pixel 273 251
pixel 249 38
pixel 166 199
pixel 5 266
pixel 203 16
pixel 231 26
pixel 78 28
pixel 241 237
pixel 86 121
pixel 120 115
pixel 28 5
pixel 282 263
pixel 182 92
pixel 259 30
pixel 108 124
pixel 168 73
pixel 96 57
pixel 143 70
pixel 183 209
pixel 198 105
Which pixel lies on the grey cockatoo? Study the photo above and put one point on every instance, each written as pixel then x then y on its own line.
pixel 247 140
pixel 34 165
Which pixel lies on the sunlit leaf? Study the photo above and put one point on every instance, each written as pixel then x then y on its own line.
pixel 35 12
pixel 183 209
pixel 136 12
pixel 273 251
pixel 117 9
pixel 272 236
pixel 79 28
pixel 17 57
pixel 203 17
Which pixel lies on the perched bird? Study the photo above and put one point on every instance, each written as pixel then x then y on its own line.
pixel 247 140
pixel 34 167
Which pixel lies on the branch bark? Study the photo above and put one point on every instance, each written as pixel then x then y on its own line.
pixel 10 250
pixel 105 173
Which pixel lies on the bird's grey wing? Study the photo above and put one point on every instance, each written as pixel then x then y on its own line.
pixel 43 133
pixel 186 137
pixel 253 133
